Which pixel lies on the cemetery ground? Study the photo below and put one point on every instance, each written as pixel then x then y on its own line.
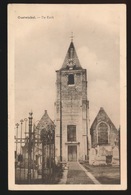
pixel 73 174
pixel 105 174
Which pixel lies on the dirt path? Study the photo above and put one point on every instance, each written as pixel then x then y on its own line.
pixel 76 175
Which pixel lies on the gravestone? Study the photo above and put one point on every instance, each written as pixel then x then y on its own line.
pixel 101 157
pixel 102 151
pixel 115 159
pixel 92 156
pixel 100 160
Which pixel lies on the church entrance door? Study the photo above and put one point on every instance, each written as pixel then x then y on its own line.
pixel 72 153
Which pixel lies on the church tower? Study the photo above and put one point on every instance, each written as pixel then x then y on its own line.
pixel 72 105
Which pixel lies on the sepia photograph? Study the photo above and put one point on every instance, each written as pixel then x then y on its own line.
pixel 67 97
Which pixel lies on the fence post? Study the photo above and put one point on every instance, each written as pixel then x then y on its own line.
pixel 21 121
pixel 29 147
pixel 17 125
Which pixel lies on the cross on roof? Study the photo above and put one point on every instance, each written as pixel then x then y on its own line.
pixel 72 36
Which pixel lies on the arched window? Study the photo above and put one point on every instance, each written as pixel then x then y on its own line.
pixel 102 133
pixel 70 79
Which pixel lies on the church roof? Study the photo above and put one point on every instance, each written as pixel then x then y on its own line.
pixel 45 121
pixel 71 58
pixel 102 116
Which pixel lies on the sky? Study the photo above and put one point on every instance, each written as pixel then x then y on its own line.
pixel 40 48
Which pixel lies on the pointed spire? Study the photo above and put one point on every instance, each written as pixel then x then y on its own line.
pixel 71 60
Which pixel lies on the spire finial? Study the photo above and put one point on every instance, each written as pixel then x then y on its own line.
pixel 72 36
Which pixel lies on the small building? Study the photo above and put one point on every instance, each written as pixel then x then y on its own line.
pixel 104 136
pixel 42 143
pixel 45 147
pixel 37 157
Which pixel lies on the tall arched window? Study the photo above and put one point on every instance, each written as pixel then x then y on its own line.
pixel 102 133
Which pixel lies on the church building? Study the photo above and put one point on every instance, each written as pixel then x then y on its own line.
pixel 104 141
pixel 72 105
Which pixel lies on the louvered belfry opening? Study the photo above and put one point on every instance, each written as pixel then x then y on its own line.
pixel 70 79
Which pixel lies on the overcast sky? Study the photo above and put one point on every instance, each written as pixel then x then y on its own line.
pixel 41 46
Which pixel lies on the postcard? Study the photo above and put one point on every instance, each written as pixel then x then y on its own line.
pixel 67 97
